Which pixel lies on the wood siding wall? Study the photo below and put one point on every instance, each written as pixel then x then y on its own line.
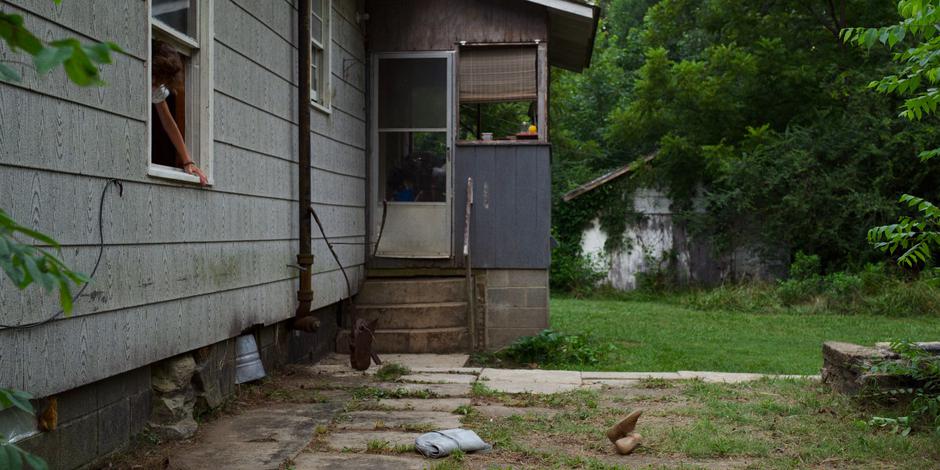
pixel 510 226
pixel 183 267
pixel 434 25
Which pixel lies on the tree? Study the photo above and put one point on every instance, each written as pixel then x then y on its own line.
pixel 917 38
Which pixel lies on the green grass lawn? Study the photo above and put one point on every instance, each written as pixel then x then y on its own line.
pixel 658 336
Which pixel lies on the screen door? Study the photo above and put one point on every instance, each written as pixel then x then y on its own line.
pixel 411 155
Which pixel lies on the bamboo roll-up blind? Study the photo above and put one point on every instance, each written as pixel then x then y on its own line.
pixel 496 73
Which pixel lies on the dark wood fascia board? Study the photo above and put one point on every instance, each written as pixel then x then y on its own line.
pixel 607 178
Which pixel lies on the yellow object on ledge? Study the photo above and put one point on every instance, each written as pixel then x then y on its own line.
pixel 533 129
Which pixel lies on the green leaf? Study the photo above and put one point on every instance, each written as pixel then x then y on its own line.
pixel 65 297
pixel 35 461
pixel 8 74
pixel 5 450
pixel 51 57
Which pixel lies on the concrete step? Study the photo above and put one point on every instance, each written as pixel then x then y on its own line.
pixel 413 291
pixel 413 341
pixel 415 316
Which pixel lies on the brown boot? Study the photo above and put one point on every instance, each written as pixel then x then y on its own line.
pixel 621 429
pixel 628 444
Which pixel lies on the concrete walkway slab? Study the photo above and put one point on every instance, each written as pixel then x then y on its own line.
pixel 531 376
pixel 447 405
pixel 438 390
pixel 539 388
pixel 318 461
pixel 382 420
pixel 359 440
pixel 414 361
pixel 630 375
pixel 258 439
pixel 447 370
pixel 439 378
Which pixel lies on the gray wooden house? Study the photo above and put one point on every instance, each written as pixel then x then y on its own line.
pixel 416 130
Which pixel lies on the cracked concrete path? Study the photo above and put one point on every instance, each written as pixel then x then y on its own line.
pixel 359 421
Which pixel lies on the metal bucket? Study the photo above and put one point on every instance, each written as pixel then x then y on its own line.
pixel 248 366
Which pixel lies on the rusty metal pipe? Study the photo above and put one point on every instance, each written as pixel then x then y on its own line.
pixel 303 318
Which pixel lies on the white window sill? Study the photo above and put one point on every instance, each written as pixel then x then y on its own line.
pixel 322 108
pixel 171 173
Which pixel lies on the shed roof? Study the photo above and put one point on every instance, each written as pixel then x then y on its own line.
pixel 573 25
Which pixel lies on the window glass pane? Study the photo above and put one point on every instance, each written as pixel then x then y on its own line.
pixel 413 166
pixel 413 93
pixel 176 14
pixel 316 30
pixel 317 7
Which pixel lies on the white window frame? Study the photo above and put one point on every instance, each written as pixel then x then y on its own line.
pixel 322 98
pixel 200 90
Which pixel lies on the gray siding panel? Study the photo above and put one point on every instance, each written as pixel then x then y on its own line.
pixel 183 267
pixel 510 226
pixel 128 85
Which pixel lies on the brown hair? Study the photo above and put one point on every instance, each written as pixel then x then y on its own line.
pixel 167 65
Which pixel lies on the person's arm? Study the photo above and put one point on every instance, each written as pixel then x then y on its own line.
pixel 173 131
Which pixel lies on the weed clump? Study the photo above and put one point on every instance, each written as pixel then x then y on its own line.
pixel 553 348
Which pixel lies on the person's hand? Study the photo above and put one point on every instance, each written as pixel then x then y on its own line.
pixel 194 170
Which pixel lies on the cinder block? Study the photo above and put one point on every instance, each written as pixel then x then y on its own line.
pixel 46 445
pixel 78 443
pixel 266 336
pixel 497 278
pixel 121 386
pixel 536 297
pixel 506 297
pixel 511 317
pixel 78 402
pixel 501 337
pixel 139 411
pixel 527 278
pixel 114 427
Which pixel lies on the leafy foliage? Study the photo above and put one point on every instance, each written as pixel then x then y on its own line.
pixel 919 58
pixel 923 369
pixel 23 263
pixel 551 347
pixel 765 134
pixel 26 264
pixel 80 61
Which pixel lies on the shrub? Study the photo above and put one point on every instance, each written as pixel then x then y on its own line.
pixel 805 267
pixel 574 273
pixel 924 406
pixel 553 348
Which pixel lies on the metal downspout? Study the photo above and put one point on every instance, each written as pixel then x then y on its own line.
pixel 304 319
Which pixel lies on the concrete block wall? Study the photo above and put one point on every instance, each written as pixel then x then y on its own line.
pixel 516 305
pixel 95 420
pixel 103 417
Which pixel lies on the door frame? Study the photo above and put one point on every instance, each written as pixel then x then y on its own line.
pixel 375 198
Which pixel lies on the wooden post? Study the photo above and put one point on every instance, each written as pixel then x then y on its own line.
pixel 543 70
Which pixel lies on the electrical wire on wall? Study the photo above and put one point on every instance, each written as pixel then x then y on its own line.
pixel 94 270
pixel 329 245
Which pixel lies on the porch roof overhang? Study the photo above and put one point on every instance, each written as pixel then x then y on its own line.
pixel 572 26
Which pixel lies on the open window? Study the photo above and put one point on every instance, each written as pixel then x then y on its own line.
pixel 499 93
pixel 320 46
pixel 186 27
